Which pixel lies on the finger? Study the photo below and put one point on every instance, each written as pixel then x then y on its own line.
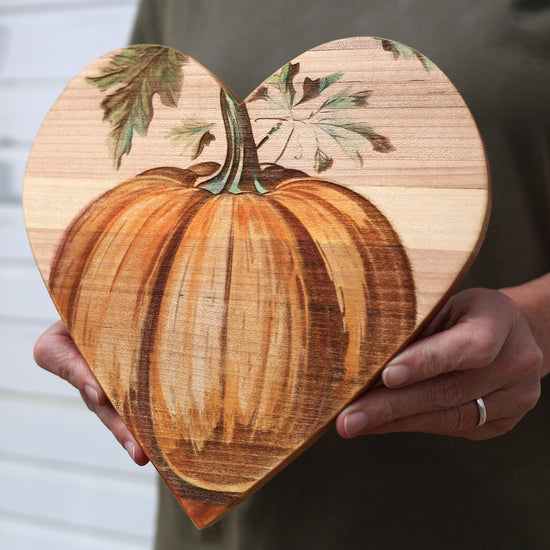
pixel 472 342
pixel 457 422
pixel 114 422
pixel 109 416
pixel 462 419
pixel 381 405
pixel 504 408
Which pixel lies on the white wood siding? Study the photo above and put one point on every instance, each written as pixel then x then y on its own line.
pixel 65 483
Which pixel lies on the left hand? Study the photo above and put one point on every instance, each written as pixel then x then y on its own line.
pixel 479 345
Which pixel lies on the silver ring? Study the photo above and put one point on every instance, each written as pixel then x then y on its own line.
pixel 482 412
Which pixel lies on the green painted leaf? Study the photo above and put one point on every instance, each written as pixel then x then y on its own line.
pixel 271 131
pixel 169 78
pixel 322 161
pixel 400 50
pixel 346 100
pixel 263 93
pixel 260 93
pixel 326 81
pixel 351 137
pixel 285 80
pixel 133 76
pixel 314 88
pixel 380 143
pixel 193 134
pixel 349 141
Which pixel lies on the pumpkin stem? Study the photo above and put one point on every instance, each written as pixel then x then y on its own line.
pixel 241 169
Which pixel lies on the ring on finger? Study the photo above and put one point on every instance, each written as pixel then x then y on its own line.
pixel 482 412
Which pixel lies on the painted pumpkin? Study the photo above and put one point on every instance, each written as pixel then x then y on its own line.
pixel 231 315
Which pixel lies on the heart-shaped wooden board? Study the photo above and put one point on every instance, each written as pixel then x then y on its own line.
pixel 237 273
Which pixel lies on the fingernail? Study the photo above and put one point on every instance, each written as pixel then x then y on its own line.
pixel 91 393
pixel 355 422
pixel 130 449
pixel 396 375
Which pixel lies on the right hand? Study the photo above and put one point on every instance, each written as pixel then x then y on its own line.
pixel 56 352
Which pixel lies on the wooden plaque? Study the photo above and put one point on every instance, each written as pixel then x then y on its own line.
pixel 236 273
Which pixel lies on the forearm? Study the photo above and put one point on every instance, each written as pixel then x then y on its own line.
pixel 533 299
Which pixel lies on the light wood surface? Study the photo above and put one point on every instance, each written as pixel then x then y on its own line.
pixel 236 273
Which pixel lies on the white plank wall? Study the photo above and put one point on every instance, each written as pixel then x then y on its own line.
pixel 65 484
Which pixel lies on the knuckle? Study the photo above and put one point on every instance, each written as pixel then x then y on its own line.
pixel 41 353
pixel 392 410
pixel 481 346
pixel 529 360
pixel 430 365
pixel 54 358
pixel 530 397
pixel 455 419
pixel 524 371
pixel 67 366
pixel 446 391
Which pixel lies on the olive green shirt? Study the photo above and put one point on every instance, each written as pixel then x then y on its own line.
pixel 401 491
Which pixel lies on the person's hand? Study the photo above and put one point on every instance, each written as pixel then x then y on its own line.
pixel 55 351
pixel 478 346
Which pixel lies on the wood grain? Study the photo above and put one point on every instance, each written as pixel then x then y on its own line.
pixel 235 273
